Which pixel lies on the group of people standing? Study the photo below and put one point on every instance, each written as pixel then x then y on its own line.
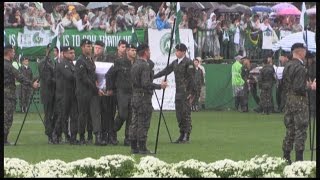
pixel 74 104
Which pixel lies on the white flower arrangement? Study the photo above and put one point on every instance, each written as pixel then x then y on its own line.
pixel 149 166
pixel 50 168
pixel 300 169
pixel 14 167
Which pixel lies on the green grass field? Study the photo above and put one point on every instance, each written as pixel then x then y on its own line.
pixel 216 135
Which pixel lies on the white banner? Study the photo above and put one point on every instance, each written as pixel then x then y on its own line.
pixel 159 43
pixel 31 38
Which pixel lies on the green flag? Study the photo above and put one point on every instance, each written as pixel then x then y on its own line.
pixel 134 38
pixel 178 21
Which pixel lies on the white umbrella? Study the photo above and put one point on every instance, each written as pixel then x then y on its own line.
pixel 299 37
pixel 94 5
pixel 312 11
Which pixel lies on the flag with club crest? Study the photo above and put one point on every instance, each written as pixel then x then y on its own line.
pixel 134 38
pixel 178 21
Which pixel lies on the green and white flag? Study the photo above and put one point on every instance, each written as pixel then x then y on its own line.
pixel 303 16
pixel 134 38
pixel 178 21
pixel 56 39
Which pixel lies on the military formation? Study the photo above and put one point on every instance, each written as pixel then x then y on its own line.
pixel 74 104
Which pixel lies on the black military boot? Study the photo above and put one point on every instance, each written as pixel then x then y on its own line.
pixel 5 140
pixel 126 142
pixel 134 147
pixel 286 156
pixel 143 148
pixel 90 138
pixel 98 140
pixel 82 140
pixel 185 138
pixel 50 140
pixel 180 138
pixel 66 138
pixel 299 155
pixel 73 139
pixel 188 136
pixel 55 139
pixel 113 138
pixel 105 138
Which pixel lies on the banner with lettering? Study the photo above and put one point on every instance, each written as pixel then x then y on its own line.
pixel 159 43
pixel 34 42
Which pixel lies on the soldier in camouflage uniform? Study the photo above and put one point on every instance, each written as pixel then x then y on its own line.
pixel 97 108
pixel 266 80
pixel 25 90
pixel 312 74
pixel 69 106
pixel 9 76
pixel 184 71
pixel 111 101
pixel 121 80
pixel 46 70
pixel 245 73
pixel 142 88
pixel 199 81
pixel 280 96
pixel 296 108
pixel 86 88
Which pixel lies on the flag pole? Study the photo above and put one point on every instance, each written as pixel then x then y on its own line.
pixel 165 79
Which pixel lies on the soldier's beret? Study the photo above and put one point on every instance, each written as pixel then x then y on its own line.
pixel 67 48
pixel 9 46
pixel 122 42
pixel 85 41
pixel 131 46
pixel 142 47
pixel 181 47
pixel 99 43
pixel 296 46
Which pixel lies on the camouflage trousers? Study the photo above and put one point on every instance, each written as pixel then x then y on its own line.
pixel 49 121
pixel 197 96
pixel 25 96
pixel 124 112
pixel 84 117
pixel 183 114
pixel 202 95
pixel 141 117
pixel 266 98
pixel 9 108
pixel 296 122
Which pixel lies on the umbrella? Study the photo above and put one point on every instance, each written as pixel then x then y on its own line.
pixel 78 6
pixel 211 5
pixel 195 5
pixel 289 11
pixel 120 3
pixel 298 37
pixel 94 5
pixel 223 9
pixel 241 8
pixel 312 11
pixel 255 9
pixel 282 6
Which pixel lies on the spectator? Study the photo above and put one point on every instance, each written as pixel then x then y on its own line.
pixel 214 25
pixel 151 18
pixel 74 14
pixel 161 22
pixel 121 22
pixel 131 18
pixel 16 20
pixel 184 23
pixel 111 26
pixel 83 23
pixel 30 18
pixel 56 16
pixel 225 39
pixel 66 20
pixel 7 14
pixel 95 21
pixel 105 18
pixel 41 21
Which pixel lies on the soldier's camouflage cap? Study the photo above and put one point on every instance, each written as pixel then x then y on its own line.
pixel 131 46
pixel 67 48
pixel 9 46
pixel 142 47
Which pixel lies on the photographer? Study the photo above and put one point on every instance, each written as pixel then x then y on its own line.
pixel 10 75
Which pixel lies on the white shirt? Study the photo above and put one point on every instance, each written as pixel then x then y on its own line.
pixel 179 60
